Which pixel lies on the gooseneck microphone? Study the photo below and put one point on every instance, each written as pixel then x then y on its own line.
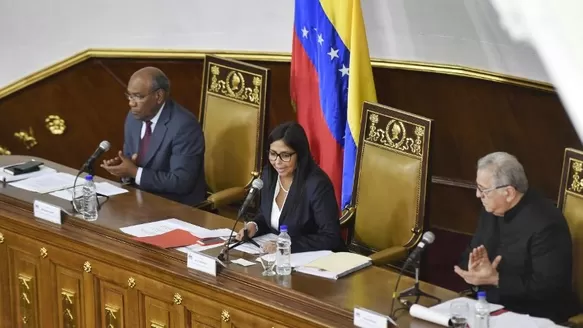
pixel 103 147
pixel 427 239
pixel 256 185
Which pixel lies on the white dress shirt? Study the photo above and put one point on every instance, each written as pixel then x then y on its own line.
pixel 154 120
pixel 275 210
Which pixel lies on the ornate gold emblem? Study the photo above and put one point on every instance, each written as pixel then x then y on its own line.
pixel 395 134
pixel 55 124
pixel 177 299
pixel 26 137
pixel 87 267
pixel 225 316
pixel 234 85
pixel 43 252
pixel 577 183
pixel 1 238
pixel 4 151
pixel 131 282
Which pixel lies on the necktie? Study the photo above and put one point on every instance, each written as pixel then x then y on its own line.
pixel 144 143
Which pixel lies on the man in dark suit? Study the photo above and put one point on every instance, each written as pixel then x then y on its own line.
pixel 521 252
pixel 163 142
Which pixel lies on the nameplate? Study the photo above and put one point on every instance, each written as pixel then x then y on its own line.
pixel 364 318
pixel 202 262
pixel 47 212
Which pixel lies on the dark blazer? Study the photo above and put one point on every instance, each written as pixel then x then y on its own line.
pixel 174 164
pixel 313 224
pixel 536 269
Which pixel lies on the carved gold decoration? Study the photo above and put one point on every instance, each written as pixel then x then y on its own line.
pixel 177 299
pixel 111 316
pixel 55 124
pixel 1 238
pixel 154 324
pixel 225 316
pixel 26 297
pixel 43 252
pixel 577 183
pixel 87 267
pixel 26 137
pixel 131 282
pixel 233 85
pixel 68 308
pixel 395 134
pixel 4 151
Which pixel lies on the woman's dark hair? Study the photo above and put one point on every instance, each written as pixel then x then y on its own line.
pixel 294 136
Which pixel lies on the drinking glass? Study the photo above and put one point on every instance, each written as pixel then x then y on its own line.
pixel 267 259
pixel 459 313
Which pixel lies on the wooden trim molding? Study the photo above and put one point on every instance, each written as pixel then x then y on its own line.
pixel 437 68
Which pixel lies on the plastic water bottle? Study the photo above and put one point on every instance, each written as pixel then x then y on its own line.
pixel 89 199
pixel 283 255
pixel 482 319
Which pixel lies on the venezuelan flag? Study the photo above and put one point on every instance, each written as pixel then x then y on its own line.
pixel 331 76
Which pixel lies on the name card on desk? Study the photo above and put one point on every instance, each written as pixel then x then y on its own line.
pixel 202 262
pixel 47 212
pixel 364 318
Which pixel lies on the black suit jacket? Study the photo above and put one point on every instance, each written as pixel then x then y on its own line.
pixel 313 223
pixel 535 244
pixel 174 164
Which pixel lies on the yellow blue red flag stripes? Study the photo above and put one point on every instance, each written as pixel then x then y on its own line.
pixel 331 76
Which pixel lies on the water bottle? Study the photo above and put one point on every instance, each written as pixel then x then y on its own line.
pixel 283 255
pixel 482 319
pixel 89 199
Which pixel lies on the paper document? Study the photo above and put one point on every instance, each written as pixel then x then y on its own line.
pixel 444 307
pixel 511 319
pixel 335 265
pixel 46 183
pixel 300 259
pixel 243 262
pixel 163 226
pixel 252 249
pixel 103 188
pixel 11 178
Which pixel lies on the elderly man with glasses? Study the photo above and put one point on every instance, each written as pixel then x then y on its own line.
pixel 521 252
pixel 163 149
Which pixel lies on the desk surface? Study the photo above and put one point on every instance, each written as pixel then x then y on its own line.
pixel 330 301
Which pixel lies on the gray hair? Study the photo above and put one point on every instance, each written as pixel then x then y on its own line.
pixel 160 81
pixel 505 169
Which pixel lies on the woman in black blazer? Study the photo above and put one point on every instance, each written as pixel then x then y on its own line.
pixel 298 194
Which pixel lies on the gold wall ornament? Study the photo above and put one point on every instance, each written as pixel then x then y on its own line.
pixel 131 282
pixel 27 293
pixel 154 324
pixel 577 183
pixel 177 299
pixel 1 238
pixel 225 316
pixel 111 316
pixel 87 266
pixel 43 252
pixel 67 302
pixel 395 134
pixel 26 137
pixel 234 84
pixel 4 151
pixel 55 124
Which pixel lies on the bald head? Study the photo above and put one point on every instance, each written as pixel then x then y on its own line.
pixel 148 89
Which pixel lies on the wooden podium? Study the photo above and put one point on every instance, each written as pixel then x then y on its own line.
pixel 90 274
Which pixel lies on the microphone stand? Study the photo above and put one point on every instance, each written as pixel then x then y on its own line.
pixel 415 291
pixel 227 246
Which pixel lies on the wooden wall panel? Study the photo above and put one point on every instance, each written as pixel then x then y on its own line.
pixel 472 118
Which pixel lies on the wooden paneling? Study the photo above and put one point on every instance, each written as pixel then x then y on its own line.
pixel 471 118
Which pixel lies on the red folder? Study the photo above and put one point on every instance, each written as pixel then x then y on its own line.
pixel 171 239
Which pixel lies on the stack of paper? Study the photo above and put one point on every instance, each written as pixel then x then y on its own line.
pixel 46 183
pixel 103 188
pixel 11 178
pixel 335 265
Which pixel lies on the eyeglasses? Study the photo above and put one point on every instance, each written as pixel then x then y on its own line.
pixel 285 157
pixel 485 192
pixel 139 98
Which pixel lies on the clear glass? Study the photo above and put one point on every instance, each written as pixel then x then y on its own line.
pixel 460 314
pixel 267 259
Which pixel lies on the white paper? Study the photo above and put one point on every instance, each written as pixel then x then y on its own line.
pixel 252 249
pixel 511 319
pixel 421 312
pixel 444 308
pixel 201 262
pixel 317 272
pixel 47 212
pixel 243 262
pixel 163 226
pixel 46 183
pixel 107 189
pixel 11 178
pixel 301 259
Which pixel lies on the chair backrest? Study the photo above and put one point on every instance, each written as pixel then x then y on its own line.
pixel 571 204
pixel 391 177
pixel 234 101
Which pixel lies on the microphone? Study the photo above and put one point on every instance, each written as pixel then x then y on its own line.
pixel 427 239
pixel 103 147
pixel 256 185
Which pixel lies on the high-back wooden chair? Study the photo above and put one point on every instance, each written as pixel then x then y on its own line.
pixel 233 113
pixel 571 204
pixel 390 183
